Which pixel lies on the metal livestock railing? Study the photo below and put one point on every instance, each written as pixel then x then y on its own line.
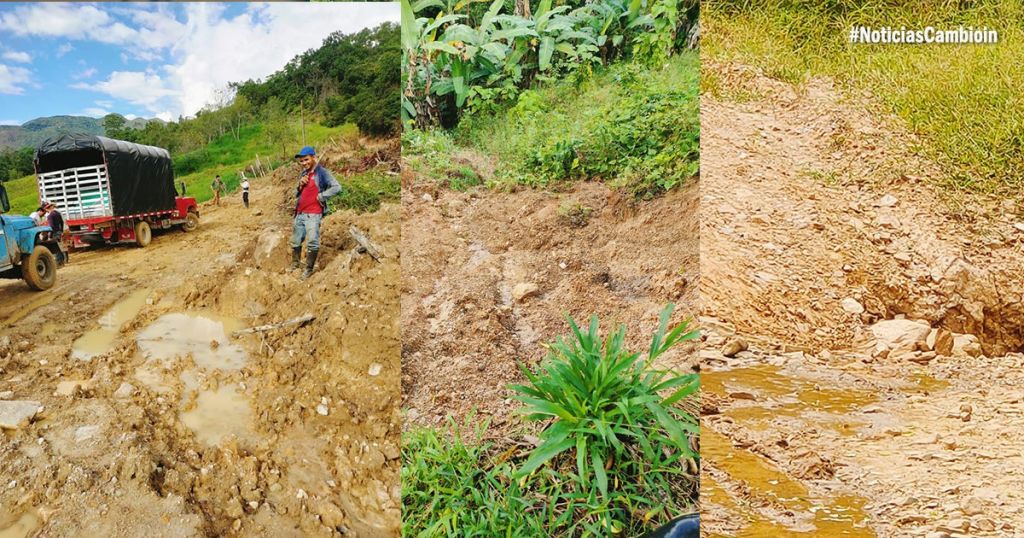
pixel 78 193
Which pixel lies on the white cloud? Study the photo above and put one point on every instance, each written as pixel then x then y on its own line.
pixel 95 112
pixel 130 117
pixel 105 104
pixel 10 122
pixel 64 49
pixel 87 73
pixel 12 79
pixel 56 20
pixel 152 29
pixel 20 57
pixel 165 115
pixel 144 89
pixel 199 52
pixel 215 50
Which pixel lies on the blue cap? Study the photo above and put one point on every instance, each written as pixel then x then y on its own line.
pixel 305 152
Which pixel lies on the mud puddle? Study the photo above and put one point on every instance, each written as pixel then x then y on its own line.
pixel 220 414
pixel 23 527
pixel 213 414
pixel 203 335
pixel 842 515
pixel 758 394
pixel 101 340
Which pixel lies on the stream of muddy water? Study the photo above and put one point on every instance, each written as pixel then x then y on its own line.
pixel 760 496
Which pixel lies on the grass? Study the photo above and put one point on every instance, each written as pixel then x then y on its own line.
pixel 614 455
pixel 365 191
pixel 963 100
pixel 634 128
pixel 226 156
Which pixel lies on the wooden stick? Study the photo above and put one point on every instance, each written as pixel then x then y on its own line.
pixel 262 328
pixel 371 248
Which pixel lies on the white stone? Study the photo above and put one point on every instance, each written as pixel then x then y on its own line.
pixel 16 413
pixel 900 334
pixel 524 290
pixel 887 201
pixel 124 391
pixel 852 306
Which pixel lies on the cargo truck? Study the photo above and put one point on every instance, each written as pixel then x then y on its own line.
pixel 111 191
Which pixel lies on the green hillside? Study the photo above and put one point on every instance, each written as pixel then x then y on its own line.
pixel 35 131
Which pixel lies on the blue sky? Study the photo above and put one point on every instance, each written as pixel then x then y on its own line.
pixel 154 59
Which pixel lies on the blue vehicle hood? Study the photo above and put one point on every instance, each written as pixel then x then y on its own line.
pixel 18 222
pixel 23 231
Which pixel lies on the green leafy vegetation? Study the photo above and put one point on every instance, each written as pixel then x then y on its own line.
pixel 351 78
pixel 365 191
pixel 15 163
pixel 639 130
pixel 461 56
pixel 551 92
pixel 963 100
pixel 613 459
pixel 575 213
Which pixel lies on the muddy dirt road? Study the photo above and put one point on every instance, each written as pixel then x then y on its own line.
pixel 487 275
pixel 861 370
pixel 156 421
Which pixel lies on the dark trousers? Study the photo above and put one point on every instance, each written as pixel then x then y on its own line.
pixel 245 198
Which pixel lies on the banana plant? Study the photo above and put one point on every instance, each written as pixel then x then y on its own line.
pixel 450 59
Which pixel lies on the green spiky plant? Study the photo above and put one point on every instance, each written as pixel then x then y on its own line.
pixel 613 413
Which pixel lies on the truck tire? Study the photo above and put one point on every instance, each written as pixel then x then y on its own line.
pixel 191 222
pixel 143 233
pixel 39 269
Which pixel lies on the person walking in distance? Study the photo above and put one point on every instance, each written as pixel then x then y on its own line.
pixel 218 188
pixel 245 192
pixel 183 188
pixel 314 188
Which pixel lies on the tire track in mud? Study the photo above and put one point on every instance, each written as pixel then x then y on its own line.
pixel 817 221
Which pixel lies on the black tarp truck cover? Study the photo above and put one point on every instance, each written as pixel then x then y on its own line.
pixel 141 177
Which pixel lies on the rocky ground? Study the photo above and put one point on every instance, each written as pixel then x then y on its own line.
pixel 148 417
pixel 488 275
pixel 861 365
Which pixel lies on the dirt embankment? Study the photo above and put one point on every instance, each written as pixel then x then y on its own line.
pixel 138 447
pixel 818 220
pixel 487 276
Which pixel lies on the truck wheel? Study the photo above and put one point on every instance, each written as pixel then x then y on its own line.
pixel 39 269
pixel 191 222
pixel 143 234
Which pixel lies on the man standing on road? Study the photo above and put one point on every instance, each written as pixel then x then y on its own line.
pixel 245 191
pixel 218 188
pixel 56 222
pixel 314 188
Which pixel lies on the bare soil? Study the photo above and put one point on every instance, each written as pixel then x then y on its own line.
pixel 98 464
pixel 468 255
pixel 813 196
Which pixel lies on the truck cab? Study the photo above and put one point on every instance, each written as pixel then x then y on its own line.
pixel 24 251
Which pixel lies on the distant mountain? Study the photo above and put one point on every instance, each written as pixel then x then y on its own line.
pixel 35 131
